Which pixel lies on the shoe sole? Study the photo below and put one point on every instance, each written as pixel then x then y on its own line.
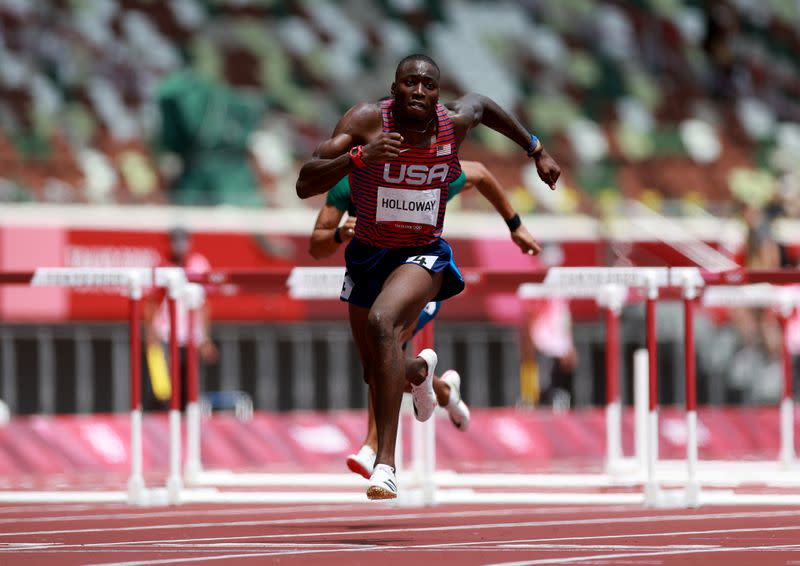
pixel 375 492
pixel 431 372
pixel 456 384
pixel 355 466
pixel 462 426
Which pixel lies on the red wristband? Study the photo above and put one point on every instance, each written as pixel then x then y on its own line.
pixel 355 155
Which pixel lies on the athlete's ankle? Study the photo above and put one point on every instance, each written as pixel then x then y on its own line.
pixel 417 371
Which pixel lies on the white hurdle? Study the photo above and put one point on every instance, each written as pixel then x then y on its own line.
pixel 693 473
pixel 608 286
pixel 131 282
pixel 783 300
pixel 612 297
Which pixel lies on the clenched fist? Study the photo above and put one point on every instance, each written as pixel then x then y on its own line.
pixel 383 148
pixel 548 169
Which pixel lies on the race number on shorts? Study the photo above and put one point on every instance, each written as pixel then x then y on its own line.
pixel 347 287
pixel 425 261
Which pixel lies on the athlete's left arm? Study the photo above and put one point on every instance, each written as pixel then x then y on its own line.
pixel 473 109
pixel 488 185
pixel 323 239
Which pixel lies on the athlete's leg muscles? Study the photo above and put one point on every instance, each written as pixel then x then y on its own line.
pixel 358 326
pixel 404 293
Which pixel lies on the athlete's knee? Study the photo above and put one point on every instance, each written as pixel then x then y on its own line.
pixel 383 327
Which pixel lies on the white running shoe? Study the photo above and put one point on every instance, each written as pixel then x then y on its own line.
pixel 383 483
pixel 456 408
pixel 362 462
pixel 423 396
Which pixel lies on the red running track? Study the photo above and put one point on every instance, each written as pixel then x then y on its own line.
pixel 65 534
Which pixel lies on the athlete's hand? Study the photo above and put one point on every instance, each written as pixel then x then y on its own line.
pixel 348 229
pixel 525 241
pixel 548 169
pixel 383 148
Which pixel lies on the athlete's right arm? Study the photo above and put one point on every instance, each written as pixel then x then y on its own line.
pixel 361 125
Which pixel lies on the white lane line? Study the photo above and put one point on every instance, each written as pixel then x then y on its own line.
pixel 127 514
pixel 28 508
pixel 231 556
pixel 500 545
pixel 382 548
pixel 482 526
pixel 450 528
pixel 464 544
pixel 267 522
pixel 618 556
pixel 605 547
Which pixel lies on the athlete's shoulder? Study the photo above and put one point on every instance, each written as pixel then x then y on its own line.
pixel 363 116
pixel 466 108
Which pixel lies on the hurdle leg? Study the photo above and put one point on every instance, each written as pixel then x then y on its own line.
pixel 640 396
pixel 423 436
pixel 651 488
pixel 174 481
pixel 692 483
pixel 787 453
pixel 612 298
pixel 136 487
pixel 193 465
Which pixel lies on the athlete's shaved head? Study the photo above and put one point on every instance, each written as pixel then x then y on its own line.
pixel 416 57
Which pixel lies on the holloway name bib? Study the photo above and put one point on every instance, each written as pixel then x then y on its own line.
pixel 406 205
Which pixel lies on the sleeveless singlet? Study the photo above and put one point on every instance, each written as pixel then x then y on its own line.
pixel 401 203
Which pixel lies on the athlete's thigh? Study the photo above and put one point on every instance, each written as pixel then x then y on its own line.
pixel 407 289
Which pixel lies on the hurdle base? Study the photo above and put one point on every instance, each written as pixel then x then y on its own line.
pixel 174 488
pixel 658 498
pixel 137 493
pixel 622 466
pixel 692 494
pixel 192 472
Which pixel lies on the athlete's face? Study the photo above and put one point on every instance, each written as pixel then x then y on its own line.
pixel 416 90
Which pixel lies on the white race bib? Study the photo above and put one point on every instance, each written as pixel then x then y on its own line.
pixel 406 205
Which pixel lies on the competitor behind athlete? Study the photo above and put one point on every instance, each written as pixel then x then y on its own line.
pixel 401 155
pixel 328 235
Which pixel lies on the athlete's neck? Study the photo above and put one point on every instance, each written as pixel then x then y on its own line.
pixel 417 132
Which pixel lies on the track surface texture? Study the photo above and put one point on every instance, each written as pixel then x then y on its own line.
pixel 371 533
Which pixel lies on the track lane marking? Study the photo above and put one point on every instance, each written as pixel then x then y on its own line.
pixel 479 526
pixel 185 513
pixel 306 520
pixel 644 554
pixel 560 560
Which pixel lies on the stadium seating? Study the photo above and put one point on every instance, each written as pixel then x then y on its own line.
pixel 650 99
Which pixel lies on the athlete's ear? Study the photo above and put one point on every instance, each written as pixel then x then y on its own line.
pixel 392 89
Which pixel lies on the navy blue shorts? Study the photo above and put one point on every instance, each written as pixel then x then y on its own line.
pixel 369 267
